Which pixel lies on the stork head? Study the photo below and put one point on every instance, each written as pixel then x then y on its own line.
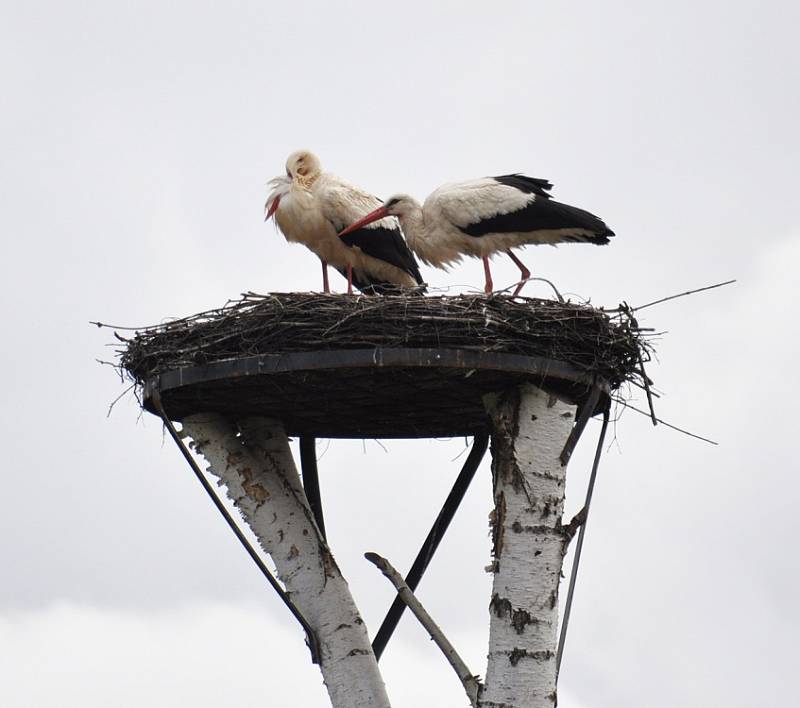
pixel 303 165
pixel 400 205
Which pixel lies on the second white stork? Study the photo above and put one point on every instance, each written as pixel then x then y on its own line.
pixel 485 216
pixel 311 207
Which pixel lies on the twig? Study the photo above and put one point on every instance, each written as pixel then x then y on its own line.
pixel 101 325
pixel 653 393
pixel 646 381
pixel 555 289
pixel 528 280
pixel 688 292
pixel 117 399
pixel 470 682
pixel 382 446
pixel 663 422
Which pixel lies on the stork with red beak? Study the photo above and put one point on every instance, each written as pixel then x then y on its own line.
pixel 311 207
pixel 485 216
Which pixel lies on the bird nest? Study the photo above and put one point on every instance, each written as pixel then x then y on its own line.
pixel 393 366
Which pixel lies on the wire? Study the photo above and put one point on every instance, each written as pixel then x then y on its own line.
pixel 311 638
pixel 574 574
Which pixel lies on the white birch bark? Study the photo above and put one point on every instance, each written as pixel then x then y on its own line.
pixel 529 429
pixel 259 474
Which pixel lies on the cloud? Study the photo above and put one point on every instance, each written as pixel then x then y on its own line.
pixel 136 146
pixel 199 655
pixel 202 655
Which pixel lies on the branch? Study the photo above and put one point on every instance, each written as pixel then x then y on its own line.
pixel 646 381
pixel 572 527
pixel 663 422
pixel 528 280
pixel 688 292
pixel 470 682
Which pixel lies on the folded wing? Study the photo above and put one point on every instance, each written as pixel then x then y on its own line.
pixel 516 204
pixel 342 204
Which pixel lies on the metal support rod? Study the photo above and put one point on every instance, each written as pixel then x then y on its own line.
pixel 586 412
pixel 579 547
pixel 479 444
pixel 311 638
pixel 308 463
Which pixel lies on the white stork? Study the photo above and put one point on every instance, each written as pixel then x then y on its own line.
pixel 481 217
pixel 311 207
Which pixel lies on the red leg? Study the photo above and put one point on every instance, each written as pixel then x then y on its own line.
pixel 349 279
pixel 326 288
pixel 489 284
pixel 524 272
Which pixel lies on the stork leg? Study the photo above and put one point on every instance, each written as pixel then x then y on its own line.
pixel 489 284
pixel 326 288
pixel 349 279
pixel 524 272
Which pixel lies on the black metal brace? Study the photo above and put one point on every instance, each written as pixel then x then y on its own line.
pixel 579 546
pixel 586 412
pixel 311 639
pixel 308 463
pixel 479 444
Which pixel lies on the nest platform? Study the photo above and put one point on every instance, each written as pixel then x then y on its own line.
pixel 403 366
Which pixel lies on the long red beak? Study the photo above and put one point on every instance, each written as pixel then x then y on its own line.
pixel 273 207
pixel 379 213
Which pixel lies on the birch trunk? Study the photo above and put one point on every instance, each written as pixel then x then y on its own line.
pixel 259 474
pixel 529 429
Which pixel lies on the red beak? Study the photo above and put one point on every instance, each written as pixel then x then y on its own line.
pixel 273 207
pixel 379 213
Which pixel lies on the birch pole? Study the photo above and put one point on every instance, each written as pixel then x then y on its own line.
pixel 260 477
pixel 529 429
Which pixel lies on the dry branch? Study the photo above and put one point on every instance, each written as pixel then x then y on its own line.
pixel 470 682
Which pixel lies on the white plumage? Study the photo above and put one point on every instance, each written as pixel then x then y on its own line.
pixel 311 206
pixel 481 217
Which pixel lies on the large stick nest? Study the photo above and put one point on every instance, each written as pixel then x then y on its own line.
pixel 608 344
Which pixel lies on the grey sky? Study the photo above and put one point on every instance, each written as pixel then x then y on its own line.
pixel 137 140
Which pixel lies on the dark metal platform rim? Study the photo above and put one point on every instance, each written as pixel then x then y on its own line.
pixel 378 357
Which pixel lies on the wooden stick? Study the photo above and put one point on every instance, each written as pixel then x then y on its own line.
pixel 688 292
pixel 470 682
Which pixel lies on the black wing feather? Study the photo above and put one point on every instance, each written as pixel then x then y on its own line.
pixel 371 286
pixel 540 215
pixel 529 185
pixel 386 245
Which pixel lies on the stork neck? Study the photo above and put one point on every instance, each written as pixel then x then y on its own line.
pixel 413 225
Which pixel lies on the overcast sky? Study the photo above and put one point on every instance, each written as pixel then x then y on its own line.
pixel 137 139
